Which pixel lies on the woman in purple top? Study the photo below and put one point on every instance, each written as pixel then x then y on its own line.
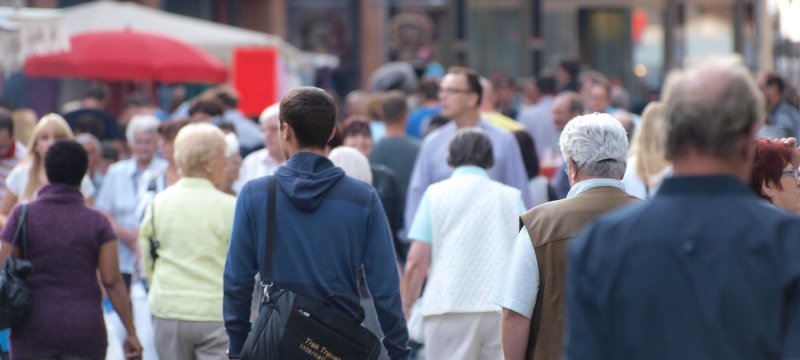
pixel 67 243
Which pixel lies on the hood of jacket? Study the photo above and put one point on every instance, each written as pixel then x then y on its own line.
pixel 306 178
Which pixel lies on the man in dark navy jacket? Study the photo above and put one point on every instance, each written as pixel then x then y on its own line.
pixel 704 270
pixel 329 225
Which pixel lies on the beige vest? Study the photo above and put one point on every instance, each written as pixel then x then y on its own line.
pixel 551 226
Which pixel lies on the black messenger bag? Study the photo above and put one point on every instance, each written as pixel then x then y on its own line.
pixel 294 326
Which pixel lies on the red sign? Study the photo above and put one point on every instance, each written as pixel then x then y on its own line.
pixel 255 77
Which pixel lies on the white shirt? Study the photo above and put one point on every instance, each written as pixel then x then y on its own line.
pixel 538 120
pixel 121 195
pixel 634 185
pixel 254 166
pixel 17 180
pixel 249 133
pixel 519 285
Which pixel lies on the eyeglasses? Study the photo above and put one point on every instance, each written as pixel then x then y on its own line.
pixel 791 173
pixel 448 91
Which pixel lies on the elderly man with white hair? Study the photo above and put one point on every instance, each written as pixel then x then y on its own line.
pixel 265 161
pixel 124 185
pixel 532 291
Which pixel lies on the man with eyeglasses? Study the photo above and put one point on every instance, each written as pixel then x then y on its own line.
pixel 460 96
pixel 703 270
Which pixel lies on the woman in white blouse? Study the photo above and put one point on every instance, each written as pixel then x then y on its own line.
pixel 647 165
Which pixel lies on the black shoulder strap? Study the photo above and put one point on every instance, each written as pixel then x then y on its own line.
pixel 21 229
pixel 271 231
pixel 154 243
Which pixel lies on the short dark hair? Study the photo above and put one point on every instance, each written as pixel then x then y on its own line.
pixel 6 122
pixel 109 152
pixel 473 80
pixel 429 89
pixel 96 91
pixel 66 162
pixel 395 108
pixel 470 147
pixel 773 79
pixel 547 84
pixel 206 106
pixel 137 99
pixel 227 99
pixel 571 66
pixel 356 126
pixel 311 112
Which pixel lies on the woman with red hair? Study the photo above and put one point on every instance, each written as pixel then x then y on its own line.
pixel 774 175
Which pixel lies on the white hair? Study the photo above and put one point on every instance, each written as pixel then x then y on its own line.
pixel 269 113
pixel 597 143
pixel 141 124
pixel 231 144
pixel 353 162
pixel 89 138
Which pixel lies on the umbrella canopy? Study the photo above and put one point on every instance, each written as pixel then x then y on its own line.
pixel 127 55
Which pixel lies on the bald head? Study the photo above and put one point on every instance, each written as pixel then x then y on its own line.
pixel 711 108
pixel 566 106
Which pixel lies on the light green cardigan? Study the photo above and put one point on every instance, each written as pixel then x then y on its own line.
pixel 193 226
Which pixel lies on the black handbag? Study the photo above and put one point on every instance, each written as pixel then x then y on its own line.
pixel 294 326
pixel 15 297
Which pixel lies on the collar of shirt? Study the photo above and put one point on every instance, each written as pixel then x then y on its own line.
pixel 470 170
pixel 194 183
pixel 593 183
pixel 154 166
pixel 709 185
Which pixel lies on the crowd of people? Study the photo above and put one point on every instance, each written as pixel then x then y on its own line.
pixel 470 221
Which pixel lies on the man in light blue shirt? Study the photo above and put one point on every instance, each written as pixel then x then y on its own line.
pixel 125 184
pixel 460 94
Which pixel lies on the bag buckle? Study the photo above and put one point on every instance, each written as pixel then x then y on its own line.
pixel 266 290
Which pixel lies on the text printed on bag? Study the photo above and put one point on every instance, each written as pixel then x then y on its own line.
pixel 317 351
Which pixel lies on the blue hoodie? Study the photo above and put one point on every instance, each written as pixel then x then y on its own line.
pixel 328 226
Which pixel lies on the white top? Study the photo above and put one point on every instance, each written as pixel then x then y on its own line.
pixel 121 195
pixel 17 180
pixel 538 120
pixel 9 163
pixel 519 285
pixel 634 185
pixel 255 165
pixel 469 247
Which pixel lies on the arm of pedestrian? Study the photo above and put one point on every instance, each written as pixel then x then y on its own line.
pixel 7 202
pixel 514 332
pixel 108 264
pixel 417 265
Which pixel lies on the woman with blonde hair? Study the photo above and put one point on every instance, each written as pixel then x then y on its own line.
pixel 25 180
pixel 184 240
pixel 647 165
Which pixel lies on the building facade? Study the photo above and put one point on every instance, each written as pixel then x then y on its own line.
pixel 633 41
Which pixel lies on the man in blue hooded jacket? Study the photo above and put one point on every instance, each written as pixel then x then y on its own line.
pixel 329 225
